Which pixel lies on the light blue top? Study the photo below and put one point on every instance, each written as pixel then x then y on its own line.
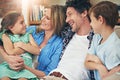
pixel 108 52
pixel 50 55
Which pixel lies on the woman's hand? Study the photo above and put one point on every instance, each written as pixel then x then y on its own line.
pixel 15 62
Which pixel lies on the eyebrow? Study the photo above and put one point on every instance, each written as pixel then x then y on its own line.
pixel 68 12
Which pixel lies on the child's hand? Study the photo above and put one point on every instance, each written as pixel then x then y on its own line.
pixel 18 44
pixel 93 58
pixel 97 60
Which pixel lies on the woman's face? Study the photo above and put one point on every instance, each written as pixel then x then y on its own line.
pixel 46 20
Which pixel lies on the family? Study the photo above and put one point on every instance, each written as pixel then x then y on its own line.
pixel 73 42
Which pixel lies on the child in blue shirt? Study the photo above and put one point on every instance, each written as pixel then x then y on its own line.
pixel 103 56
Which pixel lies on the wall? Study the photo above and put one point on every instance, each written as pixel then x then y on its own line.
pixel 96 1
pixel 25 4
pixel 62 2
pixel 8 5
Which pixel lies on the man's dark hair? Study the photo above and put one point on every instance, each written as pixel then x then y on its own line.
pixel 79 5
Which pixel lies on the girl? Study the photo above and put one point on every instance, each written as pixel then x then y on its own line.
pixel 14 30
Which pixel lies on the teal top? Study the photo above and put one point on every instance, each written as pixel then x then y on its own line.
pixel 6 71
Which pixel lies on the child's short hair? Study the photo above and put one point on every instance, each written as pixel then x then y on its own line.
pixel 108 10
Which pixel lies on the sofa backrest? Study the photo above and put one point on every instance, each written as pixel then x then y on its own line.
pixel 117 30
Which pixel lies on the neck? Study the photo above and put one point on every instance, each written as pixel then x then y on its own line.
pixel 48 35
pixel 106 32
pixel 85 28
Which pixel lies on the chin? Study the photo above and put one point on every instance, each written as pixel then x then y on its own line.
pixel 23 32
pixel 73 30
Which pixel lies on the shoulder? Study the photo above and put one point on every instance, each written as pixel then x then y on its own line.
pixel 31 28
pixel 56 40
pixel 96 36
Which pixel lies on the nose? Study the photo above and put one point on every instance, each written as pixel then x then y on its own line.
pixel 91 23
pixel 42 18
pixel 24 24
pixel 67 19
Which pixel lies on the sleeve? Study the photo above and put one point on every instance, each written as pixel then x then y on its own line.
pixel 113 58
pixel 31 29
pixel 92 49
pixel 55 58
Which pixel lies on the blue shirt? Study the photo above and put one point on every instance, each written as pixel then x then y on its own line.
pixel 108 52
pixel 50 55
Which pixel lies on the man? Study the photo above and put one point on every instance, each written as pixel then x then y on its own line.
pixel 71 65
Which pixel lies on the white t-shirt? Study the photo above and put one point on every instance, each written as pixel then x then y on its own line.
pixel 72 62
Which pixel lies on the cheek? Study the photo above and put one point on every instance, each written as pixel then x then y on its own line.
pixel 49 24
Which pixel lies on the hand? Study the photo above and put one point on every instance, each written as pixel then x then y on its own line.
pixel 102 70
pixel 94 58
pixel 15 62
pixel 18 44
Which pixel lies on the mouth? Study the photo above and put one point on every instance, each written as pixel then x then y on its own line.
pixel 43 24
pixel 71 24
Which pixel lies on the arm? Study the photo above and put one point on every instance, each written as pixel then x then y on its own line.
pixel 55 58
pixel 9 47
pixel 15 62
pixel 31 47
pixel 112 71
pixel 38 73
pixel 92 62
pixel 93 58
pixel 3 53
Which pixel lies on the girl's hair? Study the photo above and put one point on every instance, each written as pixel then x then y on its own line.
pixel 108 10
pixel 58 17
pixel 9 20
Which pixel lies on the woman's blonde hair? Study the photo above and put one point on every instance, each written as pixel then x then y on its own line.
pixel 58 17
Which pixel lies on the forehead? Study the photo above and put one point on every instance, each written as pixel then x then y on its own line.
pixel 70 9
pixel 20 18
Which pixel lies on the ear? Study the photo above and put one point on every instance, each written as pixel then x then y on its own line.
pixel 101 19
pixel 10 27
pixel 85 13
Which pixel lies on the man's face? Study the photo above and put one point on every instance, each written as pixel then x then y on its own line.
pixel 74 19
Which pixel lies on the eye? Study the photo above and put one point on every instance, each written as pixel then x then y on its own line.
pixel 22 22
pixel 47 17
